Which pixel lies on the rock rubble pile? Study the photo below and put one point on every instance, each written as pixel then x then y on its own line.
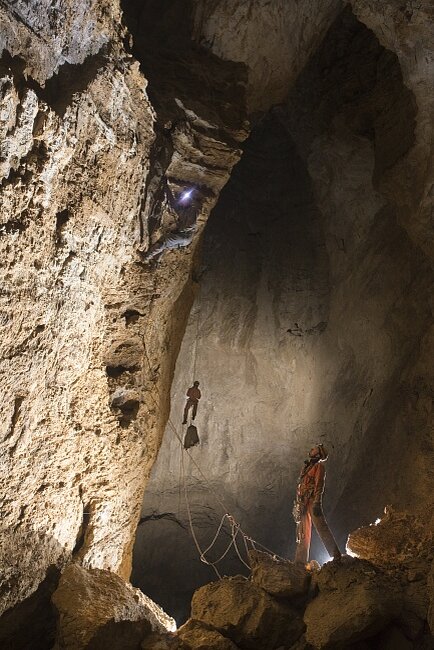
pixel 382 599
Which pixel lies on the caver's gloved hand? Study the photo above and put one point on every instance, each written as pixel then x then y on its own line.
pixel 317 509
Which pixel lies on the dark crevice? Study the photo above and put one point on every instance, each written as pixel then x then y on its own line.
pixel 116 371
pixel 131 316
pixel 81 535
pixel 31 624
pixel 72 79
pixel 15 416
pixel 12 226
pixel 62 219
pixel 168 516
pixel 129 410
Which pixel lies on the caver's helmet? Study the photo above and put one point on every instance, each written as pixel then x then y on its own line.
pixel 196 383
pixel 323 453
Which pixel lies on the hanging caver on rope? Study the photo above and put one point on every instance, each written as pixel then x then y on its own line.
pixel 193 397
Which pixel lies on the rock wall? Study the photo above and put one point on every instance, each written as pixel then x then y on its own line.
pixel 288 34
pixel 313 309
pixel 94 292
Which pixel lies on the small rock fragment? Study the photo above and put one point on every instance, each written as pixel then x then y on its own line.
pixel 199 636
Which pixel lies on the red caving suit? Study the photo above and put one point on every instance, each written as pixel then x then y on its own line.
pixel 309 492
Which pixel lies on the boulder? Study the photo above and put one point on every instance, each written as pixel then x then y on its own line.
pixel 158 641
pixel 97 609
pixel 280 578
pixel 355 601
pixel 397 538
pixel 246 614
pixel 199 636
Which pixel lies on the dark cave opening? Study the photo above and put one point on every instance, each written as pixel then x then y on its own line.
pixel 265 224
pixel 287 325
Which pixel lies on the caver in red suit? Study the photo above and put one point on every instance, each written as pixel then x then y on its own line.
pixel 308 506
pixel 193 397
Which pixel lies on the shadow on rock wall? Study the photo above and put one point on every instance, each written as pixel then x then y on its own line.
pixel 29 622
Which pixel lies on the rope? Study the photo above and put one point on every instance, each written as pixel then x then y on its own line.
pixel 196 344
pixel 190 520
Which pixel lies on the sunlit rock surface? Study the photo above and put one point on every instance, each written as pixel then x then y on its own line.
pixel 94 293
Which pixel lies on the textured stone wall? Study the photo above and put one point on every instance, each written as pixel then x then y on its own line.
pixel 273 39
pixel 94 292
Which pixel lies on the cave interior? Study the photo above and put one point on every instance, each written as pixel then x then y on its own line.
pixel 237 193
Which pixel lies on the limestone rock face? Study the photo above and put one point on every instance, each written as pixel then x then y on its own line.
pixel 397 538
pixel 199 636
pixel 288 32
pixel 246 614
pixel 97 608
pixel 97 256
pixel 278 578
pixel 355 601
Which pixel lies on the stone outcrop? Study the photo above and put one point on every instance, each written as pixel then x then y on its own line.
pixel 97 609
pixel 355 601
pixel 246 614
pixel 402 545
pixel 396 538
pixel 278 577
pixel 197 635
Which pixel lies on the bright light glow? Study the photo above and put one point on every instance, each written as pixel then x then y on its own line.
pixel 186 196
pixel 323 557
pixel 377 521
